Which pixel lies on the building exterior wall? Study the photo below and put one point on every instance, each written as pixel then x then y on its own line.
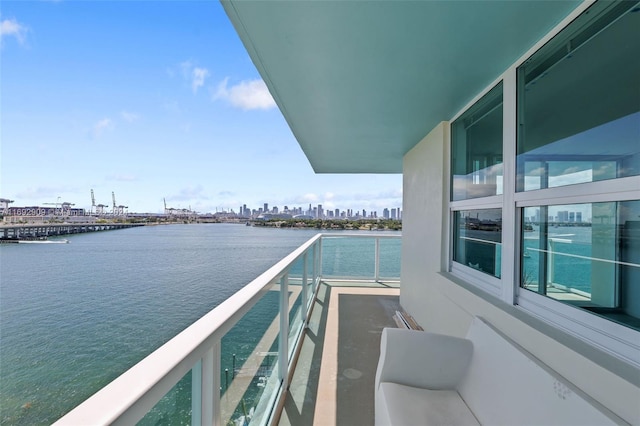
pixel 442 303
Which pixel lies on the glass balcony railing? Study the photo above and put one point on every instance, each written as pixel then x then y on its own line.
pixel 230 366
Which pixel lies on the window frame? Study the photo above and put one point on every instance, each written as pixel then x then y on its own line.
pixel 483 281
pixel 615 339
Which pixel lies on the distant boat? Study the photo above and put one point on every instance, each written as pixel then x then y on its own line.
pixel 60 241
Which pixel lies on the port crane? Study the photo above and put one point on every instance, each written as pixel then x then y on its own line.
pixel 170 211
pixel 99 207
pixel 118 210
pixel 63 210
pixel 93 203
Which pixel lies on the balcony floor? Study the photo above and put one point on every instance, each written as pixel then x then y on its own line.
pixel 333 381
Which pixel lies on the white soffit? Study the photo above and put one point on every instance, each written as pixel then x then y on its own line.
pixel 361 82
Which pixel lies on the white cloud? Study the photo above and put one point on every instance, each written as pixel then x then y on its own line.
pixel 198 77
pixel 247 95
pixel 45 194
pixel 101 126
pixel 12 28
pixel 193 74
pixel 124 177
pixel 129 117
pixel 172 107
pixel 189 193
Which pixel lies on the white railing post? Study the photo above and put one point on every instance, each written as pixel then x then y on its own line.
pixel 283 347
pixel 208 388
pixel 196 394
pixel 216 410
pixel 202 390
pixel 377 261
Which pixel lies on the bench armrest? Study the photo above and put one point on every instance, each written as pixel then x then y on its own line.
pixel 422 359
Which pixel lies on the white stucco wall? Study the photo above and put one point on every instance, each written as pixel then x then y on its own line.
pixel 441 305
pixel 422 220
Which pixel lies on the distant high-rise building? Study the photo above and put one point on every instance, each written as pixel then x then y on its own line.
pixel 563 216
pixel 336 212
pixel 266 208
pixel 394 214
pixel 385 213
pixel 320 211
pixel 579 217
pixel 572 217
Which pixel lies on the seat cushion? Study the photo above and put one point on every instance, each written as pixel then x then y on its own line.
pixel 405 405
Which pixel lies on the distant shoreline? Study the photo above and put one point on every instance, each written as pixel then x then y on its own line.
pixel 332 224
pixel 35 230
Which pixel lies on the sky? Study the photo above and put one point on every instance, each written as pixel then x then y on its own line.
pixel 150 100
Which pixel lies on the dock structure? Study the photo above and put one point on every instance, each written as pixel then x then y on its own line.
pixel 30 231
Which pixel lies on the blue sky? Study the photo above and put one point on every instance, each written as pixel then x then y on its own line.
pixel 150 100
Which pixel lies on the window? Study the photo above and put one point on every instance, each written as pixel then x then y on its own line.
pixel 478 240
pixel 563 175
pixel 477 175
pixel 585 255
pixel 579 123
pixel 579 110
pixel 477 149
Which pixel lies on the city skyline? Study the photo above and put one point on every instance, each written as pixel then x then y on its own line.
pixel 319 212
pixel 9 207
pixel 169 106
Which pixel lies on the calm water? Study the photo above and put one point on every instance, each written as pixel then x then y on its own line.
pixel 75 316
pixel 570 271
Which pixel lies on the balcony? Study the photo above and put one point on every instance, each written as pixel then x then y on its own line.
pixel 285 349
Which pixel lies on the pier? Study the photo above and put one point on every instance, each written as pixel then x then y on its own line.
pixel 11 233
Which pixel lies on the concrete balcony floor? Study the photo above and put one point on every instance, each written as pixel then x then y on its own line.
pixel 333 381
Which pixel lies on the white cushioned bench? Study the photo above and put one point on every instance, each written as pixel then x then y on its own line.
pixel 432 379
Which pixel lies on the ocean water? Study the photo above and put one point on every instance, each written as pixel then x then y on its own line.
pixel 572 256
pixel 75 316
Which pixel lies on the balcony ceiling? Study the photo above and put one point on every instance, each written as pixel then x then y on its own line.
pixel 361 82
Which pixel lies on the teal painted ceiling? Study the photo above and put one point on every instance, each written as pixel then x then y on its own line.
pixel 362 82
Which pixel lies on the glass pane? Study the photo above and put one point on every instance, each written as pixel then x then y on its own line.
pixel 174 408
pixel 579 118
pixel 310 278
pixel 249 359
pixel 295 306
pixel 476 149
pixel 585 255
pixel 390 252
pixel 478 240
pixel 344 257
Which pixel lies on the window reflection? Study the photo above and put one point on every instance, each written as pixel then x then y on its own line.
pixel 476 149
pixel 585 255
pixel 579 117
pixel 478 240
